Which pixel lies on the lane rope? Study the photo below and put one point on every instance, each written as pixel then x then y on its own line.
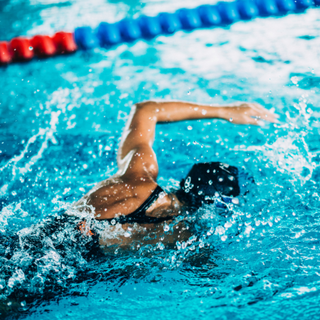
pixel 145 27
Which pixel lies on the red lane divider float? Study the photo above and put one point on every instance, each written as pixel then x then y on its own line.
pixel 64 42
pixel 5 56
pixel 24 49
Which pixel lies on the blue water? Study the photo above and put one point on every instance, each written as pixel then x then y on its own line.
pixel 60 126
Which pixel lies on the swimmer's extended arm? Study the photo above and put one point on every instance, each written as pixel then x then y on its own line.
pixel 136 157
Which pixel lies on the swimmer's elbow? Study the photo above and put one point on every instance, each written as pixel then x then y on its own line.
pixel 145 105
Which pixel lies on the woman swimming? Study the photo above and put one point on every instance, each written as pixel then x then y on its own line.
pixel 127 210
pixel 132 195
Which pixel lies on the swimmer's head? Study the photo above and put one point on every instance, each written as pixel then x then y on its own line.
pixel 213 182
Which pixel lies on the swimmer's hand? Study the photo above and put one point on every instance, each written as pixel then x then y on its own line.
pixel 247 113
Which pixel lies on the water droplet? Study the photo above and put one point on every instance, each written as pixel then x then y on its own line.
pixel 30 48
pixel 228 224
pixel 235 201
pixel 220 230
pixel 230 119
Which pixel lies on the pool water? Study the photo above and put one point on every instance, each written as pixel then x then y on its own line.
pixel 60 127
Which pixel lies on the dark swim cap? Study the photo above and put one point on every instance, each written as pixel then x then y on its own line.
pixel 207 182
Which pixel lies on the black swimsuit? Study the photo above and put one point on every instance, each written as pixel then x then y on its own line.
pixel 53 226
pixel 139 215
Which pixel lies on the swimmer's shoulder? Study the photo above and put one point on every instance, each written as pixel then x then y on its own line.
pixel 114 180
pixel 117 194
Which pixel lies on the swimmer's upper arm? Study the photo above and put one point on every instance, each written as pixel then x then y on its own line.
pixel 135 155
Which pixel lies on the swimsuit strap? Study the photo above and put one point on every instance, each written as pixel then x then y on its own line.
pixel 139 215
pixel 148 203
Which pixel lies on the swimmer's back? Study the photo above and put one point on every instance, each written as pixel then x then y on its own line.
pixel 119 195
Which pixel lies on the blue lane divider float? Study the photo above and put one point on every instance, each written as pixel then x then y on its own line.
pixel 169 22
pixel 221 14
pixel 150 26
pixel 108 34
pixel 209 15
pixel 247 9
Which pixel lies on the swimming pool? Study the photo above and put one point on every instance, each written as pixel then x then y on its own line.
pixel 61 122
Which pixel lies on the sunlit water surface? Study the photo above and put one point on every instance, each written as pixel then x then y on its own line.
pixel 61 122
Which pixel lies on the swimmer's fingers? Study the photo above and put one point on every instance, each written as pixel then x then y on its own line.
pixel 249 113
pixel 260 113
pixel 259 120
pixel 256 121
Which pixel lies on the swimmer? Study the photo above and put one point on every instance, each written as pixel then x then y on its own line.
pixel 131 200
pixel 133 197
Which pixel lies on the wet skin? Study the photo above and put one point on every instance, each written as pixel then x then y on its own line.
pixel 137 172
